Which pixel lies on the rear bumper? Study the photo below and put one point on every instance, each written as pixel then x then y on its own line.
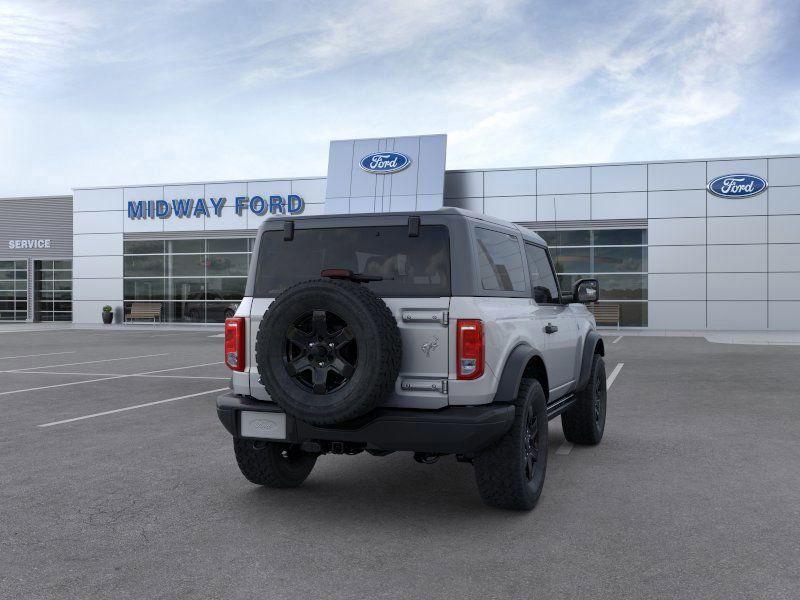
pixel 452 430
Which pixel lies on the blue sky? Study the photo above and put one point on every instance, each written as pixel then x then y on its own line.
pixel 96 93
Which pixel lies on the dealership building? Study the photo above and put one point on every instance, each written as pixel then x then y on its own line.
pixel 683 244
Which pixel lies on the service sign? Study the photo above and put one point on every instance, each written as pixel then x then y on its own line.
pixel 28 244
pixel 738 185
pixel 188 208
pixel 384 163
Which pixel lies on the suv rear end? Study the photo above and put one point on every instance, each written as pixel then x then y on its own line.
pixel 395 332
pixel 412 254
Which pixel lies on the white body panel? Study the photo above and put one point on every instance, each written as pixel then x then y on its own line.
pixel 508 322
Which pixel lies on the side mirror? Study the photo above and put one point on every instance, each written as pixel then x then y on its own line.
pixel 586 291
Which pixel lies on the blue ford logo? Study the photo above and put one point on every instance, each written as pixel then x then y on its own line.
pixel 736 186
pixel 384 163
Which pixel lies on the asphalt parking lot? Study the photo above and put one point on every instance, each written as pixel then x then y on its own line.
pixel 692 494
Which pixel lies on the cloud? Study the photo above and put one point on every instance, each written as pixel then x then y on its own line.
pixel 100 93
pixel 342 34
pixel 34 40
pixel 661 68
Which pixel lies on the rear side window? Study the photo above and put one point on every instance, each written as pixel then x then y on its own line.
pixel 543 280
pixel 410 266
pixel 499 261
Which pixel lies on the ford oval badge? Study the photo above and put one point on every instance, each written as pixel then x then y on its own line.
pixel 736 186
pixel 384 163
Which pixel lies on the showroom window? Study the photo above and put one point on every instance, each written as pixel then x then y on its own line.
pixel 54 290
pixel 616 257
pixel 13 290
pixel 194 280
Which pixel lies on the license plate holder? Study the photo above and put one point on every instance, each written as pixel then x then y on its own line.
pixel 263 425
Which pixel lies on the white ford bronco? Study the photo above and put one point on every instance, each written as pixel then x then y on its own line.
pixel 431 332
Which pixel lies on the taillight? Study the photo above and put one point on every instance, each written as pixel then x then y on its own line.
pixel 234 343
pixel 469 348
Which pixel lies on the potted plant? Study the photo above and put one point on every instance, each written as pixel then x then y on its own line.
pixel 108 314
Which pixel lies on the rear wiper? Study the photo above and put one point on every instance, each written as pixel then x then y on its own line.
pixel 349 275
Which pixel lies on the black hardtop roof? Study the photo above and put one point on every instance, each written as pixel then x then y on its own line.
pixel 277 221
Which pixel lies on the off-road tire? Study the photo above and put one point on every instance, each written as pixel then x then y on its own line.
pixel 374 331
pixel 500 469
pixel 584 421
pixel 272 465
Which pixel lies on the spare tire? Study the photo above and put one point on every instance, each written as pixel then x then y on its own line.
pixel 328 351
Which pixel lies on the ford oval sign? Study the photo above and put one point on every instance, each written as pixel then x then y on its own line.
pixel 737 186
pixel 385 163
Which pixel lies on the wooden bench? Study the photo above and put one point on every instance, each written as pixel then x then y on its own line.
pixel 144 310
pixel 605 313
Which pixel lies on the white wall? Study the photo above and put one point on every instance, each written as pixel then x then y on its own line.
pixel 100 221
pixel 713 262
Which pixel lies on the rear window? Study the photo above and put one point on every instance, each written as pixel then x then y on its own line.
pixel 410 266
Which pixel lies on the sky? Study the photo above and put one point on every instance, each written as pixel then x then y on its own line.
pixel 108 93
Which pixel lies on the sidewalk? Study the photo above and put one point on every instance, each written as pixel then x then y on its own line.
pixel 42 327
pixel 779 338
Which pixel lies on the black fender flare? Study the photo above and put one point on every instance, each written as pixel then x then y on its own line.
pixel 593 344
pixel 517 361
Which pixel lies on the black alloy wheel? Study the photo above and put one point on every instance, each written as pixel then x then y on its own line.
pixel 598 401
pixel 584 422
pixel 530 444
pixel 320 352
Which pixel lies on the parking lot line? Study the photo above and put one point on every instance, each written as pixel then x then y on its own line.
pixel 35 355
pixel 616 340
pixel 47 387
pixel 564 448
pixel 613 375
pixel 126 374
pixel 87 362
pixel 118 410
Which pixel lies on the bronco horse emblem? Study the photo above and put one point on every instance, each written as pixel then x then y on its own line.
pixel 429 347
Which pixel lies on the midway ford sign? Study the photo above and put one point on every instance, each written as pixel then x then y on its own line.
pixel 187 208
pixel 384 163
pixel 737 185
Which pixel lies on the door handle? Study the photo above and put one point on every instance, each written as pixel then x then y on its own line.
pixel 550 328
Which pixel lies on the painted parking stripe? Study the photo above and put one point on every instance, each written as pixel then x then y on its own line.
pixel 126 374
pixel 616 340
pixel 35 355
pixel 566 447
pixel 613 375
pixel 58 385
pixel 87 362
pixel 119 410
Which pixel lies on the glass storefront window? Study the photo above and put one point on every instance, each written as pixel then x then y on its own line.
pixel 191 285
pixel 143 266
pixel 144 289
pixel 572 260
pixel 616 257
pixel 54 290
pixel 623 287
pixel 228 264
pixel 228 245
pixel 620 237
pixel 187 289
pixel 143 247
pixel 620 260
pixel 186 265
pixel 186 246
pixel 225 288
pixel 13 290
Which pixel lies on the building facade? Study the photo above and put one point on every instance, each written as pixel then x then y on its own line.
pixel 36 259
pixel 670 250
